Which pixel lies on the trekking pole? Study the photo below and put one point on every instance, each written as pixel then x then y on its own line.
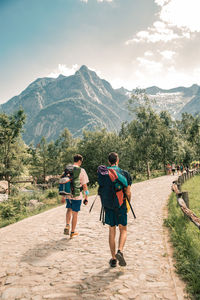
pixel 93 203
pixel 131 207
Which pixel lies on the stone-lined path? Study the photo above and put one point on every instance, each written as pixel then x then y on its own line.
pixel 38 262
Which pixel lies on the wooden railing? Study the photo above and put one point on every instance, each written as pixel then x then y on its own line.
pixel 183 197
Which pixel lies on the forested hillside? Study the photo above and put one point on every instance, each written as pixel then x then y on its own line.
pixel 148 142
pixel 84 101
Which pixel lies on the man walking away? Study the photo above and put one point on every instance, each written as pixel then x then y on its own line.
pixel 173 168
pixel 117 217
pixel 73 204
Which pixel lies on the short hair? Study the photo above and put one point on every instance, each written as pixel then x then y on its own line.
pixel 113 157
pixel 78 157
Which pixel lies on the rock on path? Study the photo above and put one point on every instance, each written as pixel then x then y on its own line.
pixel 38 262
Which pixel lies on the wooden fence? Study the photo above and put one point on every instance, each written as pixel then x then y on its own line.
pixel 183 197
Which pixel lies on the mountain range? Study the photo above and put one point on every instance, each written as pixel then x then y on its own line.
pixel 85 101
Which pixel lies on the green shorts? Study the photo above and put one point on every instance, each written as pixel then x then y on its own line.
pixel 116 217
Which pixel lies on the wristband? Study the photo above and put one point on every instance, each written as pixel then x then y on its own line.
pixel 87 193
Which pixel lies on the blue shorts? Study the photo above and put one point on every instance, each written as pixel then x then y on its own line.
pixel 75 205
pixel 114 218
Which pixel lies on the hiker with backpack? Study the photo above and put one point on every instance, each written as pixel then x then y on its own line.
pixel 114 191
pixel 73 182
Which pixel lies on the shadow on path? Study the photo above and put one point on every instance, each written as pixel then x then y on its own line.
pixel 97 283
pixel 43 250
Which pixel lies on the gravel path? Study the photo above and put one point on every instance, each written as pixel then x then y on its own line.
pixel 38 262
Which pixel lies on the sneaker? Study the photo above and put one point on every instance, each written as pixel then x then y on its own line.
pixel 113 263
pixel 120 258
pixel 66 230
pixel 73 234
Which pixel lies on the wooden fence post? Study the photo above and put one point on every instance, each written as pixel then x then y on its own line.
pixel 180 180
pixel 186 198
pixel 179 186
pixel 185 176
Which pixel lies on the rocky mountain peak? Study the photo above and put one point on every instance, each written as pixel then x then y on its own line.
pixel 85 101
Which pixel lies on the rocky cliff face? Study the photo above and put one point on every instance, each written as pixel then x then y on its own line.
pixel 85 101
pixel 193 106
pixel 81 101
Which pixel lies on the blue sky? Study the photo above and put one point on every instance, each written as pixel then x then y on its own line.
pixel 130 43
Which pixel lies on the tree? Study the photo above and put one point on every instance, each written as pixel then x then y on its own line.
pixel 144 129
pixel 51 159
pixel 95 147
pixel 167 139
pixel 66 147
pixel 10 130
pixel 194 136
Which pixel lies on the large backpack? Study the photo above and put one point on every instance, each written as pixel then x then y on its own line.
pixel 69 184
pixel 111 184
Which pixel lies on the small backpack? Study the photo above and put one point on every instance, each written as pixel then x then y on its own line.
pixel 111 184
pixel 69 184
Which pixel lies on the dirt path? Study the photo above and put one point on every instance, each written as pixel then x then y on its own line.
pixel 38 262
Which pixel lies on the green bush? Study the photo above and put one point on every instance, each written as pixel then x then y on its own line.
pixel 7 210
pixel 14 191
pixel 52 194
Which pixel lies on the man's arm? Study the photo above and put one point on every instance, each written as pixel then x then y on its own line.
pixel 85 190
pixel 84 180
pixel 128 192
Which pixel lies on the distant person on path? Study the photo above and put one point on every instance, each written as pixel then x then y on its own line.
pixel 178 169
pixel 181 168
pixel 116 216
pixel 173 168
pixel 168 168
pixel 73 204
pixel 187 169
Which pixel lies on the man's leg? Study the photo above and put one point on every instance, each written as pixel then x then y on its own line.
pixel 122 240
pixel 68 216
pixel 68 219
pixel 112 233
pixel 122 237
pixel 74 220
pixel 76 205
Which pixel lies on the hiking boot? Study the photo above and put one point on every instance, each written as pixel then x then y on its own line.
pixel 120 258
pixel 113 262
pixel 66 230
pixel 73 234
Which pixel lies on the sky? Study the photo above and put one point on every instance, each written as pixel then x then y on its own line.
pixel 130 43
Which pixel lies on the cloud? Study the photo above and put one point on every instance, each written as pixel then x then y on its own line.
pixel 86 1
pixel 144 77
pixel 167 54
pixel 64 70
pixel 150 65
pixel 148 53
pixel 161 2
pixel 182 14
pixel 160 31
pixel 177 19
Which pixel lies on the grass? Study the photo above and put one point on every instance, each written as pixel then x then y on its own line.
pixel 185 237
pixel 143 176
pixel 18 206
